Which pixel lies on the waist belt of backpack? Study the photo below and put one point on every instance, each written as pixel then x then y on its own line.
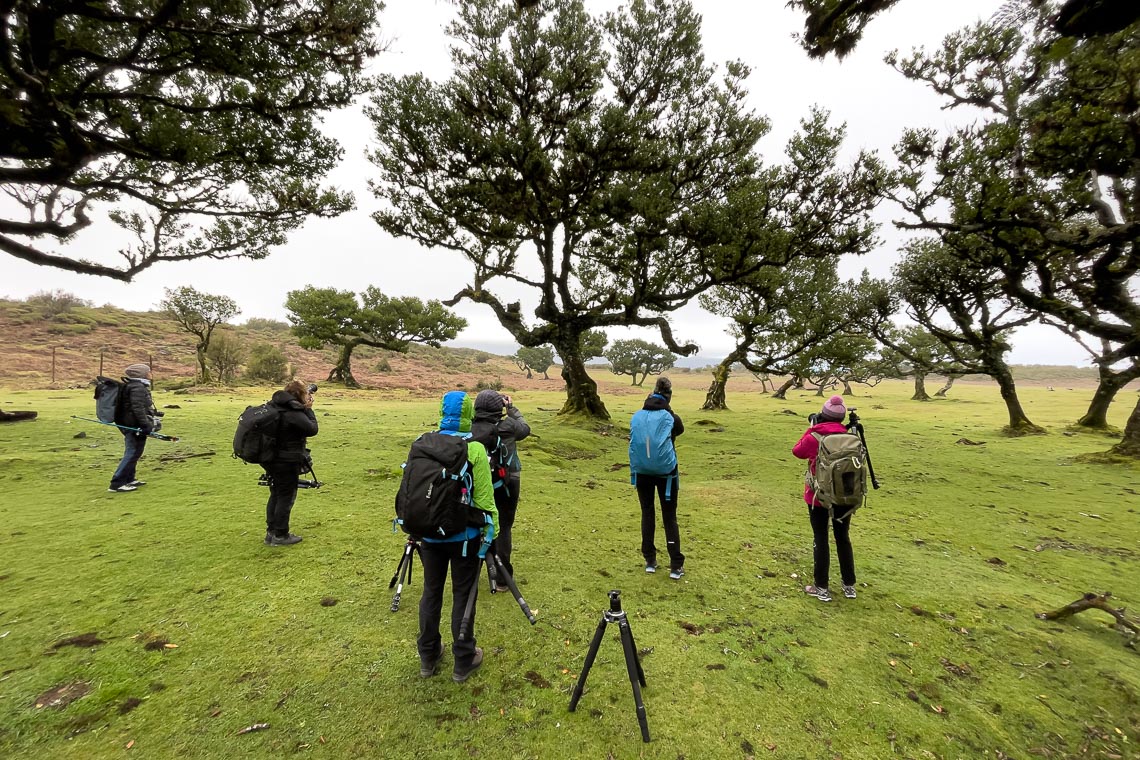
pixel 675 475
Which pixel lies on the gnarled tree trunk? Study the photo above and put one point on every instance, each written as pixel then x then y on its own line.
pixel 1130 445
pixel 782 391
pixel 342 371
pixel 847 387
pixel 581 390
pixel 715 398
pixel 941 392
pixel 1018 421
pixel 1110 383
pixel 203 369
pixel 920 393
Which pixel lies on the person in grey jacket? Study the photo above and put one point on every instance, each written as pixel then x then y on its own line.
pixel 136 410
pixel 499 426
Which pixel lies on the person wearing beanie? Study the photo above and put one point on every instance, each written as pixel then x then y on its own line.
pixel 459 552
pixel 830 421
pixel 647 477
pixel 499 426
pixel 135 410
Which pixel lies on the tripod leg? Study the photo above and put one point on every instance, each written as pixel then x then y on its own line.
pixel 399 566
pixel 636 659
pixel 591 654
pixel 469 611
pixel 514 589
pixel 492 573
pixel 633 665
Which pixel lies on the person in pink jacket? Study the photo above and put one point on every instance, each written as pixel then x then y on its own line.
pixel 830 421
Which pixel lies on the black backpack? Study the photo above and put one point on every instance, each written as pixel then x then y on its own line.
pixel 109 399
pixel 258 428
pixel 435 498
pixel 496 453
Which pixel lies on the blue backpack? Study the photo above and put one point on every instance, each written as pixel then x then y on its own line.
pixel 651 450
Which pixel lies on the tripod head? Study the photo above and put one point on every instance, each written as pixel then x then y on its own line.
pixel 615 601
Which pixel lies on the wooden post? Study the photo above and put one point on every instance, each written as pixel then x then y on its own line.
pixel 53 365
pixel 100 362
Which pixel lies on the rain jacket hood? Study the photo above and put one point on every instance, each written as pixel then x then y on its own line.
pixel 456 412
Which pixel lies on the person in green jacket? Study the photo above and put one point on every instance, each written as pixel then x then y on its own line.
pixel 460 552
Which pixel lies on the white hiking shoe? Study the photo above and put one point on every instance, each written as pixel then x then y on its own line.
pixel 822 594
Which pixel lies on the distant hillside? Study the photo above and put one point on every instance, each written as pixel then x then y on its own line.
pixel 79 335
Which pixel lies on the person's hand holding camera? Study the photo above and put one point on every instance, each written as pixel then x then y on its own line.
pixel 506 399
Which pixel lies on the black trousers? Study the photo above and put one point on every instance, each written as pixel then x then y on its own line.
pixel 282 493
pixel 507 502
pixel 436 559
pixel 647 486
pixel 821 552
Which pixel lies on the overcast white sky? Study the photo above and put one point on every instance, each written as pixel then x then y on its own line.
pixel 351 252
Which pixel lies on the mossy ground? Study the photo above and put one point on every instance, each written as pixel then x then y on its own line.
pixel 940 656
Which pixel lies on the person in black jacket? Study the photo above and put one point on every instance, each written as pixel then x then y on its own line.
pixel 666 487
pixel 296 423
pixel 499 422
pixel 135 410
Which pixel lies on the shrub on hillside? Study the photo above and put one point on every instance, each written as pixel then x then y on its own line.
pixel 267 363
pixel 267 325
pixel 494 385
pixel 52 303
pixel 225 355
pixel 383 365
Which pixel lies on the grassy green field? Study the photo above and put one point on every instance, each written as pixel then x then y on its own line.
pixel 203 630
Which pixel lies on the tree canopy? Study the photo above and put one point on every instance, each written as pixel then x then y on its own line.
pixel 199 314
pixel 536 358
pixel 1039 197
pixel 836 26
pixel 638 357
pixel 193 127
pixel 600 162
pixel 326 316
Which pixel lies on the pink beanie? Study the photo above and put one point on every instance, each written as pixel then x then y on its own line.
pixel 833 410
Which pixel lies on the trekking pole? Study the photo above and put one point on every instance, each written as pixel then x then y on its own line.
pixel 158 436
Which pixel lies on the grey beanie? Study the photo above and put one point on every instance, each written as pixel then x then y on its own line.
pixel 489 401
pixel 137 370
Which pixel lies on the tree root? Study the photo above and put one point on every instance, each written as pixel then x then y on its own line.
pixel 1127 626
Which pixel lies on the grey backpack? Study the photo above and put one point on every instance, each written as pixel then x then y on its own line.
pixel 840 478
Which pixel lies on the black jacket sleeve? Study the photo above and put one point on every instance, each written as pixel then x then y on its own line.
pixel 678 426
pixel 140 407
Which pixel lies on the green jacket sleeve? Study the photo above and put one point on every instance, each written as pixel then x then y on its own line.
pixel 481 478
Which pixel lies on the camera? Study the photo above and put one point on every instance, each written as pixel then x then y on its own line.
pixel 312 388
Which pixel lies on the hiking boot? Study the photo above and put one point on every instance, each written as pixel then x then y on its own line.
pixel 137 483
pixel 821 593
pixel 125 488
pixel 429 668
pixel 676 573
pixel 849 591
pixel 268 538
pixel 650 568
pixel 459 676
pixel 287 540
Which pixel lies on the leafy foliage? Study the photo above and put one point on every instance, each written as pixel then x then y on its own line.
pixel 198 314
pixel 52 303
pixel 226 355
pixel 325 316
pixel 267 363
pixel 605 148
pixel 194 127
pixel 638 357
pixel 536 358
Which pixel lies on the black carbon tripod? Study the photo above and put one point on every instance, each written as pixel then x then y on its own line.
pixel 403 572
pixel 498 573
pixel 615 614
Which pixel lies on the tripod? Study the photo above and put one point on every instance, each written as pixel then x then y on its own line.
pixel 615 614
pixel 403 572
pixel 498 571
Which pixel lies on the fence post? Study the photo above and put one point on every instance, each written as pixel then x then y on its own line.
pixel 53 365
pixel 100 362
